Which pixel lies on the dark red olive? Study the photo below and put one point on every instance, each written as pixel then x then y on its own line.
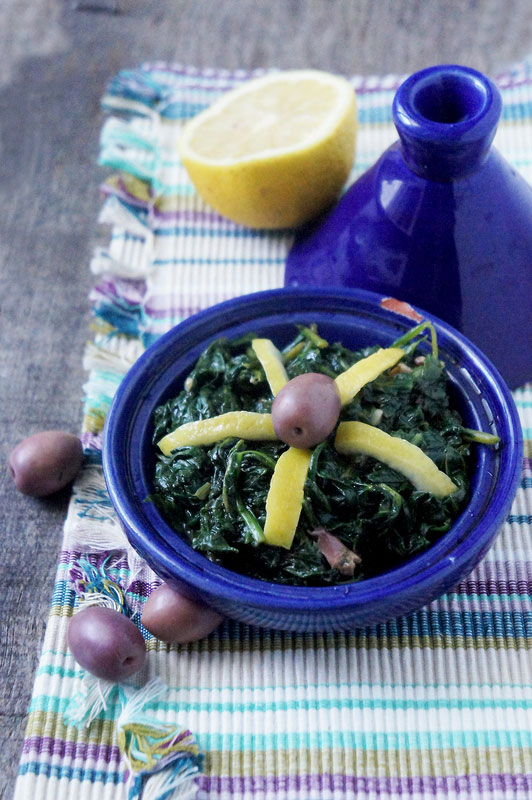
pixel 172 617
pixel 106 643
pixel 306 409
pixel 45 462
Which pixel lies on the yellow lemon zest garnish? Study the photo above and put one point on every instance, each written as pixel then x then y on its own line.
pixel 272 363
pixel 397 453
pixel 285 497
pixel 241 424
pixel 351 381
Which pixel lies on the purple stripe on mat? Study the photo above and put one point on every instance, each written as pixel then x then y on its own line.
pixel 156 309
pixel 363 85
pixel 69 556
pixel 122 192
pixel 175 312
pixel 130 291
pixel 192 216
pixel 142 588
pixel 508 81
pixel 91 441
pixel 48 746
pixel 192 71
pixel 473 587
pixel 425 785
pixel 494 584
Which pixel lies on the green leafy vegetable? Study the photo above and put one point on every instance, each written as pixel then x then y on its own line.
pixel 216 495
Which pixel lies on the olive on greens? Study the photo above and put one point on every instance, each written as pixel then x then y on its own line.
pixel 306 409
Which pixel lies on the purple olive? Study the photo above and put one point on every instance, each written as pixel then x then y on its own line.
pixel 306 409
pixel 45 462
pixel 106 643
pixel 172 617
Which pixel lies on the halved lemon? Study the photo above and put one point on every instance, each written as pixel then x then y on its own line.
pixel 276 151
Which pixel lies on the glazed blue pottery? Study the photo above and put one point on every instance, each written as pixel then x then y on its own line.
pixel 357 319
pixel 441 221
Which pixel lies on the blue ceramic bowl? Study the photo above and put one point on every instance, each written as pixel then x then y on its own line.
pixel 357 319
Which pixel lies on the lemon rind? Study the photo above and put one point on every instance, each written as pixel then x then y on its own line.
pixel 399 454
pixel 285 497
pixel 345 106
pixel 239 424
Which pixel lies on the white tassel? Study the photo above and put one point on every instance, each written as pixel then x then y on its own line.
pixel 136 702
pixel 162 783
pixel 102 263
pixel 118 353
pixel 155 774
pixel 97 599
pixel 114 212
pixel 89 701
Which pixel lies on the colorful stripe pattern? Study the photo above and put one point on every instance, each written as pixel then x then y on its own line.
pixel 436 704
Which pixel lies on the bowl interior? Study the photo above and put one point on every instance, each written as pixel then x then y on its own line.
pixel 352 317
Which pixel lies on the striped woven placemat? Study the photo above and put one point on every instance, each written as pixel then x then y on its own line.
pixel 434 704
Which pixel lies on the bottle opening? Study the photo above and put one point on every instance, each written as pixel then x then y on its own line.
pixel 446 117
pixel 449 99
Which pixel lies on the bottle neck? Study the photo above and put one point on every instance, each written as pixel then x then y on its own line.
pixel 446 117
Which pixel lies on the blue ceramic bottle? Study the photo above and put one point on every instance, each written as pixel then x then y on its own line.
pixel 441 220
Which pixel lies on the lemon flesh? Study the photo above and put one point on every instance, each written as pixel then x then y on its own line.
pixel 240 424
pixel 285 497
pixel 271 362
pixel 350 382
pixel 397 453
pixel 276 151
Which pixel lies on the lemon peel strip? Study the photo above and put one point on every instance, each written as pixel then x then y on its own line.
pixel 397 453
pixel 271 362
pixel 351 381
pixel 285 497
pixel 240 424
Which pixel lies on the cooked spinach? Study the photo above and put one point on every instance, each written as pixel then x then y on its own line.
pixel 216 495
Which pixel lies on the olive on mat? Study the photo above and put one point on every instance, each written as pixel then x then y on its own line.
pixel 45 462
pixel 106 643
pixel 173 618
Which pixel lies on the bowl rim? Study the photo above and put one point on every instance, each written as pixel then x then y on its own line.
pixel 193 568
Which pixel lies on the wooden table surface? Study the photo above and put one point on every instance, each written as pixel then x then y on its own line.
pixel 55 59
